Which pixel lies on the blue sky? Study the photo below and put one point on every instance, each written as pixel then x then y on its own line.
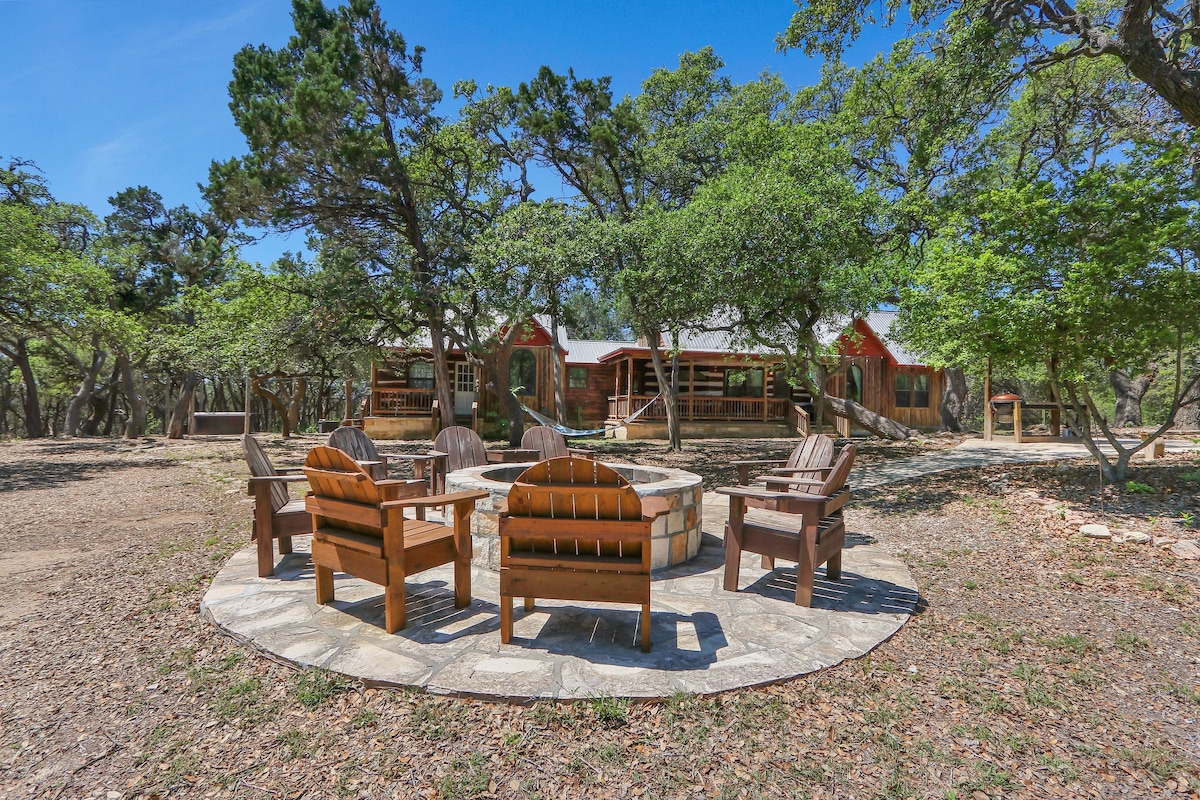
pixel 103 95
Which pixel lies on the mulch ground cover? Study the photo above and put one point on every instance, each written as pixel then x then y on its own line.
pixel 1042 663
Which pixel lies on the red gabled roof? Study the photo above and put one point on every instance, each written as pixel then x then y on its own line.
pixel 534 335
pixel 864 342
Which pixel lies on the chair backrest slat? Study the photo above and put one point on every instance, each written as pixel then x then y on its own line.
pixel 353 441
pixel 547 441
pixel 463 446
pixel 558 488
pixel 840 472
pixel 260 467
pixel 333 473
pixel 814 451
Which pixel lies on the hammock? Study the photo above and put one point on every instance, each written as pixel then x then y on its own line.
pixel 565 431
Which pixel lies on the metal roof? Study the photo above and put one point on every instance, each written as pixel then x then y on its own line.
pixel 589 351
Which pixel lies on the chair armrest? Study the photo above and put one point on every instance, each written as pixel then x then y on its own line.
pixel 430 456
pixel 501 506
pixel 265 480
pixel 758 462
pixel 581 452
pixel 744 465
pixel 777 481
pixel 436 500
pixel 763 494
pixel 289 470
pixel 794 470
pixel 398 482
pixel 654 507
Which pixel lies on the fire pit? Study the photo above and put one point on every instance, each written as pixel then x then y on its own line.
pixel 675 537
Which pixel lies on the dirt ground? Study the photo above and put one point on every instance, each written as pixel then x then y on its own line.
pixel 1041 663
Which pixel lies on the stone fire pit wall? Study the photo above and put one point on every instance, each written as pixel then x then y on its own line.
pixel 675 537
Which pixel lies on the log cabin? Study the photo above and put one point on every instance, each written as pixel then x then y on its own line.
pixel 724 391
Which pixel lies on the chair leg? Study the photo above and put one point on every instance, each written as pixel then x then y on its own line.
pixel 645 627
pixel 806 566
pixel 833 567
pixel 529 604
pixel 266 555
pixel 324 576
pixel 768 563
pixel 285 545
pixel 506 618
pixel 733 560
pixel 462 582
pixel 393 601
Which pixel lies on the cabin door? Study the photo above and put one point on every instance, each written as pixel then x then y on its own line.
pixel 464 388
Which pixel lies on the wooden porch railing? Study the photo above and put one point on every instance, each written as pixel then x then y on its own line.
pixel 802 421
pixel 401 402
pixel 706 408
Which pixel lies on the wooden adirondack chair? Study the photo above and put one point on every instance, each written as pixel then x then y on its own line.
pixel 574 529
pixel 277 517
pixel 359 528
pixel 359 446
pixel 807 528
pixel 811 454
pixel 551 444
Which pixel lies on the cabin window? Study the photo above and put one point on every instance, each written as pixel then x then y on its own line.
pixel 912 391
pixel 920 391
pixel 854 384
pixel 522 372
pixel 744 383
pixel 420 375
pixel 577 377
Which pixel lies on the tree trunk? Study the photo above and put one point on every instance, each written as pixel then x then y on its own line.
pixel 31 406
pixel 1129 392
pixel 1188 415
pixel 954 400
pixel 560 397
pixel 135 425
pixel 442 378
pixel 87 388
pixel 296 402
pixel 670 398
pixel 864 418
pixel 99 406
pixel 179 412
pixel 278 400
pixel 496 365
pixel 110 415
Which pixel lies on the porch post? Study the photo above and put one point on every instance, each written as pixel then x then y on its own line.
pixel 629 389
pixel 616 401
pixel 764 391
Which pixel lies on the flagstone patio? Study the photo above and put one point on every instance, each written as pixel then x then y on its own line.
pixel 704 639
